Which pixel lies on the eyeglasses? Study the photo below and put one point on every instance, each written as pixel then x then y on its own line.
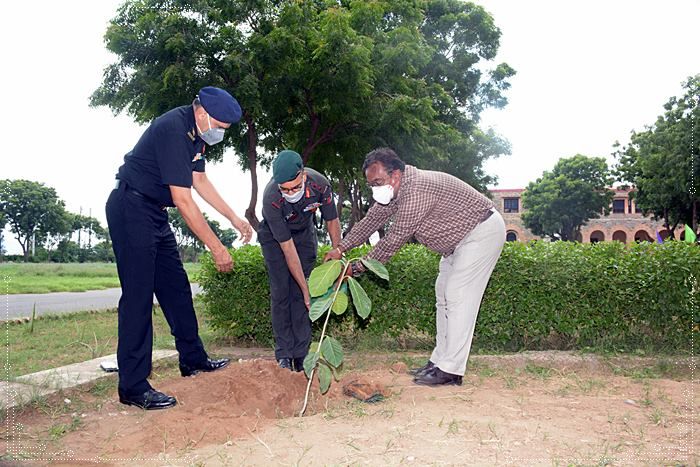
pixel 380 181
pixel 293 189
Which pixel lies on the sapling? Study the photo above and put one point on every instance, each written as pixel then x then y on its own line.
pixel 329 285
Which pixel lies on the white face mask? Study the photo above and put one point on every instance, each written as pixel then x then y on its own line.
pixel 213 135
pixel 296 197
pixel 383 194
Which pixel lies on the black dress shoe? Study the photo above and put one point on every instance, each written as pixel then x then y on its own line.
pixel 149 400
pixel 208 365
pixel 437 377
pixel 298 363
pixel 419 371
pixel 285 363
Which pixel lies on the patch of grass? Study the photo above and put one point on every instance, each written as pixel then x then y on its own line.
pixel 59 340
pixel 541 372
pixel 61 429
pixel 510 381
pixel 30 278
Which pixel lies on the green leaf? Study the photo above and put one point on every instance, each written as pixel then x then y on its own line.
pixel 340 304
pixel 362 303
pixel 320 306
pixel 310 363
pixel 376 267
pixel 324 378
pixel 323 277
pixel 332 351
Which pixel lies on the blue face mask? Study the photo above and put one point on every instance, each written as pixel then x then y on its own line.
pixel 213 135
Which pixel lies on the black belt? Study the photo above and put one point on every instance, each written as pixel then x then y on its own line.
pixel 127 188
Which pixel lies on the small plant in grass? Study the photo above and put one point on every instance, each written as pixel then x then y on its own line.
pixel 329 285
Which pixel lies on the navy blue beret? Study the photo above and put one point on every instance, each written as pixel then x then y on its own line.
pixel 220 104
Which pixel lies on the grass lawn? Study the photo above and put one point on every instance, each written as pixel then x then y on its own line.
pixel 25 278
pixel 58 340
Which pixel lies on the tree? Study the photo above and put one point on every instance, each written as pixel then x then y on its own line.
pixel 188 244
pixel 3 222
pixel 663 161
pixel 561 201
pixel 89 225
pixel 331 79
pixel 33 211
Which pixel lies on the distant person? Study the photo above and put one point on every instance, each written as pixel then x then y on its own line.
pixel 450 217
pixel 159 173
pixel 287 235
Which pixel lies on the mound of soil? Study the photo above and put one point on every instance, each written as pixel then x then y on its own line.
pixel 213 408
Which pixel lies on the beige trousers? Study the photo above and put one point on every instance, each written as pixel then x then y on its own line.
pixel 459 288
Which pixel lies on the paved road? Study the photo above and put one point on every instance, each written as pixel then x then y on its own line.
pixel 20 305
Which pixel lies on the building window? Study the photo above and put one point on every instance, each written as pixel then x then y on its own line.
pixel 511 204
pixel 618 206
pixel 511 236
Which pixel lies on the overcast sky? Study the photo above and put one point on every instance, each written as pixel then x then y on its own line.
pixel 588 72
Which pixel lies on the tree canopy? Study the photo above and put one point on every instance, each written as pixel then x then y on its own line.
pixel 561 201
pixel 33 211
pixel 663 161
pixel 330 79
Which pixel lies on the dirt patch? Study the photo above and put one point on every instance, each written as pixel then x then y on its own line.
pixel 213 408
pixel 527 409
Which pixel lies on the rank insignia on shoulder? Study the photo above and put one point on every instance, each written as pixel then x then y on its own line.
pixel 198 157
pixel 312 207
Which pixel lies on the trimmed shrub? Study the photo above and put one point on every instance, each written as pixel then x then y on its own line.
pixel 541 295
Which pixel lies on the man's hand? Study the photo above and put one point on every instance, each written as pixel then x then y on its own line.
pixel 335 253
pixel 223 260
pixel 307 298
pixel 245 229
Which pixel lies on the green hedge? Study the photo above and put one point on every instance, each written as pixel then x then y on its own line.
pixel 541 296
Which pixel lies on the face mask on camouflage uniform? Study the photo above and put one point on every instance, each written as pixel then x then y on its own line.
pixel 296 197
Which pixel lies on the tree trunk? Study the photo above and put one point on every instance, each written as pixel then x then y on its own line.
pixel 342 186
pixel 253 167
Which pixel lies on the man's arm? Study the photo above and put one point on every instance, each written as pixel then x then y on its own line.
pixel 182 197
pixel 208 192
pixel 376 217
pixel 294 265
pixel 333 227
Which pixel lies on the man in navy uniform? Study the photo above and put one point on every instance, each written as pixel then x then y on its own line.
pixel 158 173
pixel 287 235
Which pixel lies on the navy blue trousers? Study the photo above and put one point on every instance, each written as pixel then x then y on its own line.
pixel 148 262
pixel 291 325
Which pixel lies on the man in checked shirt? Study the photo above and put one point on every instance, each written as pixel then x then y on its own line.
pixel 450 217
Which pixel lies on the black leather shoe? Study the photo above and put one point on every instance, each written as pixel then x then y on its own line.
pixel 208 365
pixel 285 363
pixel 419 371
pixel 149 400
pixel 298 363
pixel 437 377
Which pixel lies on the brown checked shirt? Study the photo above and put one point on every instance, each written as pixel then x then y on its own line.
pixel 435 208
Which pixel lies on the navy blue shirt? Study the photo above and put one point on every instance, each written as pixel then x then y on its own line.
pixel 168 152
pixel 283 217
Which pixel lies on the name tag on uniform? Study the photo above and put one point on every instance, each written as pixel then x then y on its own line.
pixel 312 206
pixel 198 157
